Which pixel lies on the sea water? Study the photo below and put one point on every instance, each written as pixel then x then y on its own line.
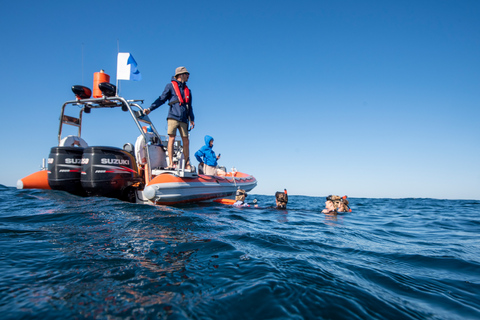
pixel 67 257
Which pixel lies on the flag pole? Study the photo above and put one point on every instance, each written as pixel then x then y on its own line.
pixel 118 51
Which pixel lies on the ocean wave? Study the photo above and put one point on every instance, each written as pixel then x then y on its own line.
pixel 64 256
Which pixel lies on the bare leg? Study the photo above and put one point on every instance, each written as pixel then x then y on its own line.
pixel 186 152
pixel 171 140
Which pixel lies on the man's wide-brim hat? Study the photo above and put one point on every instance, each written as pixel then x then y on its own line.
pixel 181 70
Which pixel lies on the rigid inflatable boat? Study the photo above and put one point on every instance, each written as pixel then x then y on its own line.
pixel 137 173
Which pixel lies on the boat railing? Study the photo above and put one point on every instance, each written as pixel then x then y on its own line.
pixel 140 118
pixel 94 103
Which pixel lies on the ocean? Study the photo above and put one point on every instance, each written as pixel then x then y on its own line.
pixel 67 257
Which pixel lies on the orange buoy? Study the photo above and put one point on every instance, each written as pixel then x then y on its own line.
pixel 99 77
pixel 225 201
pixel 37 180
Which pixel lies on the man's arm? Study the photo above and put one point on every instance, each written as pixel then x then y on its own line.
pixel 166 95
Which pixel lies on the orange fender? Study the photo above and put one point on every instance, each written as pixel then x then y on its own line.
pixel 37 180
pixel 225 201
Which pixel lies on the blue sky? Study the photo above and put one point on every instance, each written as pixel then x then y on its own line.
pixel 364 98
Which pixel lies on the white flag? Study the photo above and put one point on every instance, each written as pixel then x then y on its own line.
pixel 127 67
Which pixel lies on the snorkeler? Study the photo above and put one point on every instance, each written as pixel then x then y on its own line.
pixel 336 204
pixel 240 199
pixel 281 199
pixel 343 205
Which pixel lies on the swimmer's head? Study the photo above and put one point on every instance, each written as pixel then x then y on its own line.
pixel 281 199
pixel 240 195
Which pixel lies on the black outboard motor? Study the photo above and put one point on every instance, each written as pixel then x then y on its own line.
pixel 109 172
pixel 64 168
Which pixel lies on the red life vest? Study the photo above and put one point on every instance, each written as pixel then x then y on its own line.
pixel 179 95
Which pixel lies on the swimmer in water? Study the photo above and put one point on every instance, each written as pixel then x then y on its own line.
pixel 240 199
pixel 281 199
pixel 336 204
pixel 343 205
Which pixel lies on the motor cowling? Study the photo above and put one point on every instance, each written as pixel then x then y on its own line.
pixel 109 172
pixel 64 169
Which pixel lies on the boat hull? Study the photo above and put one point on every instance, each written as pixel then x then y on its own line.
pixel 168 189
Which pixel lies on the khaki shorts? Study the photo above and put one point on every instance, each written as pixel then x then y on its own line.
pixel 212 171
pixel 174 124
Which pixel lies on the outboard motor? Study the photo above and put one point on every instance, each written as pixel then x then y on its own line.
pixel 109 172
pixel 64 168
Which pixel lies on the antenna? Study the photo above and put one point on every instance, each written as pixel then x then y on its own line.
pixel 82 65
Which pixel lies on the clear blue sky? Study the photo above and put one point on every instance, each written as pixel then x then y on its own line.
pixel 364 98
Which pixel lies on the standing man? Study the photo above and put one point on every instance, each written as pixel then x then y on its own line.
pixel 180 113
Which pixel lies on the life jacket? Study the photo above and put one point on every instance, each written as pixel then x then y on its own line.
pixel 179 95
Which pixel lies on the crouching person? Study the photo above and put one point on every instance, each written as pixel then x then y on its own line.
pixel 208 160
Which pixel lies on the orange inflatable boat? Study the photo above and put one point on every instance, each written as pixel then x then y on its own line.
pixel 135 173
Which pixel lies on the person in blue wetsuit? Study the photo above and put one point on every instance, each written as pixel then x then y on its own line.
pixel 180 113
pixel 207 158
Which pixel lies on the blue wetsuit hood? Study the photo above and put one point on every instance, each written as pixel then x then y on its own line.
pixel 207 140
pixel 206 153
